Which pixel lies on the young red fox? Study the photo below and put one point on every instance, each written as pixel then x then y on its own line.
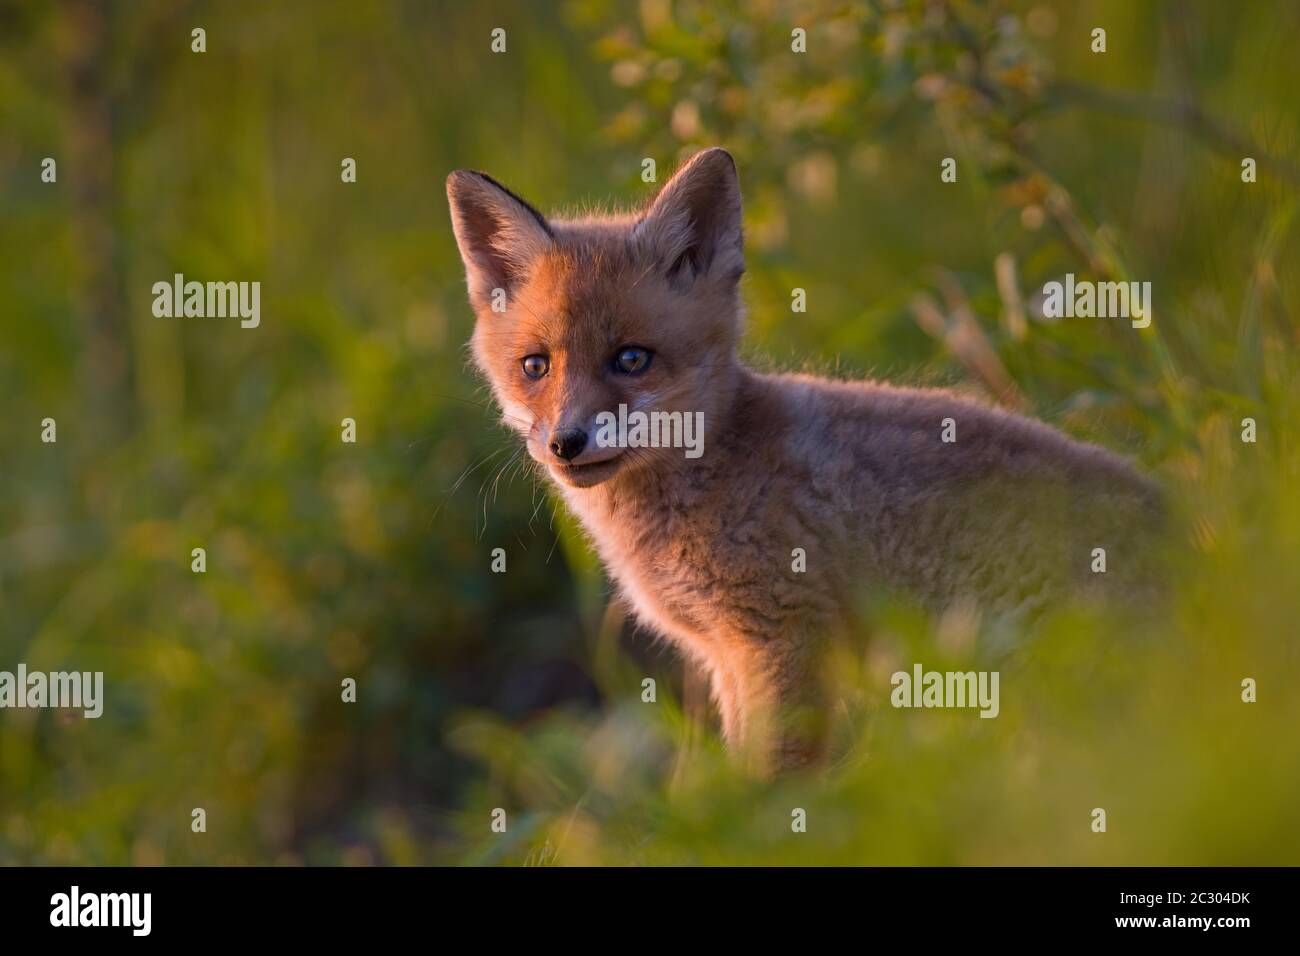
pixel 802 491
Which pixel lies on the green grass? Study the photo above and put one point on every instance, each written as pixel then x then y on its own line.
pixel 480 691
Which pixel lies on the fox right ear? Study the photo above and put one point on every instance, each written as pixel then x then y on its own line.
pixel 693 227
pixel 498 233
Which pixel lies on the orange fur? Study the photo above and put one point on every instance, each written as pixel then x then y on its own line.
pixel 855 474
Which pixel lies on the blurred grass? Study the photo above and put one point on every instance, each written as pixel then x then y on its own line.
pixel 479 691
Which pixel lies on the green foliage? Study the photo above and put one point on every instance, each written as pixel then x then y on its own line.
pixel 479 690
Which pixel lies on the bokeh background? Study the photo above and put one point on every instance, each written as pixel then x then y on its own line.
pixel 523 690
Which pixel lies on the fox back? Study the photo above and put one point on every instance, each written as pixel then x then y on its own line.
pixel 805 491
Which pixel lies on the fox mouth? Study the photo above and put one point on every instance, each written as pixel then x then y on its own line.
pixel 586 475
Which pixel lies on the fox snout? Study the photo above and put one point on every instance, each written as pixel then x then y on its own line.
pixel 564 431
pixel 567 443
pixel 574 458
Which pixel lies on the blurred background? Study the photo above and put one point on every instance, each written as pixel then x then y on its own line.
pixel 522 690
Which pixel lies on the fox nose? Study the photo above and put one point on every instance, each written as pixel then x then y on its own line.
pixel 568 443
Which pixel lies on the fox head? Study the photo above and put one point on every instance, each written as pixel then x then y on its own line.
pixel 575 317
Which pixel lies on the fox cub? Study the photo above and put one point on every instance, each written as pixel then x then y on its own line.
pixel 803 493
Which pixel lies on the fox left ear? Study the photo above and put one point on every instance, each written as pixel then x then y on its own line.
pixel 693 226
pixel 499 234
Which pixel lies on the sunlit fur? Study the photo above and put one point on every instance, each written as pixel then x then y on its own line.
pixel 853 473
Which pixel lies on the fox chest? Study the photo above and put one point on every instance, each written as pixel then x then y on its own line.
pixel 704 592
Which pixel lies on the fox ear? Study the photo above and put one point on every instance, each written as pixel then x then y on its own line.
pixel 498 233
pixel 693 227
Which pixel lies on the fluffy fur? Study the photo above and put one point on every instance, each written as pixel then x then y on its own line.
pixel 855 474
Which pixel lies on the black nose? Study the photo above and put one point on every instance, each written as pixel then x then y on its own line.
pixel 568 443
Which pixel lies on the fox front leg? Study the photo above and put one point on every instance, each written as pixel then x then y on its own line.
pixel 771 699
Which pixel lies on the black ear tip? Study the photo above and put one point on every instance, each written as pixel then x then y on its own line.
pixel 456 181
pixel 714 168
pixel 716 155
pixel 459 179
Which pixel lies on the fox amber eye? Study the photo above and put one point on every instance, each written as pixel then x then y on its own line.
pixel 535 366
pixel 632 360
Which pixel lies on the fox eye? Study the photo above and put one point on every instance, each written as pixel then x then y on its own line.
pixel 535 366
pixel 633 360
